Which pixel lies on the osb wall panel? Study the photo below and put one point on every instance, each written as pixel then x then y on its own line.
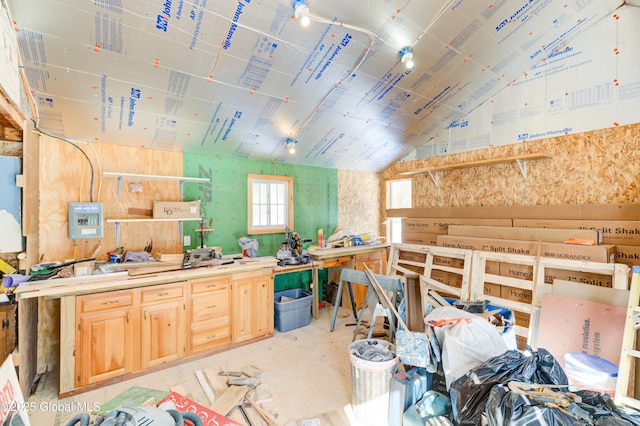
pixel 65 176
pixel 358 196
pixel 598 167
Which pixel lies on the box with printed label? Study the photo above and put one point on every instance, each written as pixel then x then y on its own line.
pixel 525 272
pixel 601 253
pixel 440 225
pixel 623 232
pixel 176 209
pixel 419 238
pixel 629 255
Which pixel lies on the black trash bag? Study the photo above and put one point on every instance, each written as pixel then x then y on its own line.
pixel 605 412
pixel 469 393
pixel 505 408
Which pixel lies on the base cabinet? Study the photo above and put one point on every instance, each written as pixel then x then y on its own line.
pixel 124 331
pixel 163 324
pixel 105 336
pixel 252 307
pixel 377 262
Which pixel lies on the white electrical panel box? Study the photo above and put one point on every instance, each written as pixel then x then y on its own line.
pixel 85 221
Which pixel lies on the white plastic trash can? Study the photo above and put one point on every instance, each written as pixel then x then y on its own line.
pixel 373 363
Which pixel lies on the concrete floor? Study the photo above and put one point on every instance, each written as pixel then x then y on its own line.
pixel 307 369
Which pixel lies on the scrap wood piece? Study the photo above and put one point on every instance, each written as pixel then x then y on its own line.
pixel 231 397
pixel 206 386
pixel 252 416
pixel 178 389
pixel 261 394
pixel 253 371
pixel 266 416
pixel 214 381
pixel 441 300
pixel 244 381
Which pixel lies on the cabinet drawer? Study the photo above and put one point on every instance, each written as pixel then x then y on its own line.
pixel 339 261
pixel 162 292
pixel 364 257
pixel 212 305
pixel 101 301
pixel 211 335
pixel 210 284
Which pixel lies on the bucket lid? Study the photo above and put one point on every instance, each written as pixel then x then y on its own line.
pixel 590 364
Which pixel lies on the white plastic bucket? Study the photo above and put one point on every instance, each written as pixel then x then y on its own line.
pixel 371 383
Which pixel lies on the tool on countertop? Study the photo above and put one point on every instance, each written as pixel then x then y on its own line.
pixel 202 231
pixel 194 257
pixel 292 251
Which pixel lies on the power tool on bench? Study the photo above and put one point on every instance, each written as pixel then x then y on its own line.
pixel 291 250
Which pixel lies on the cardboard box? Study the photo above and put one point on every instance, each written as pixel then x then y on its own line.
pixel 419 238
pixel 176 209
pixel 629 255
pixel 449 278
pixel 517 294
pixel 526 233
pixel 613 232
pixel 601 253
pixel 563 211
pixel 440 226
pixel 523 319
pixel 521 341
pixel 525 272
pixel 493 290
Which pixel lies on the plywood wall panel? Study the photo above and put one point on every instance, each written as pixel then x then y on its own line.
pixel 65 176
pixel 598 167
pixel 358 196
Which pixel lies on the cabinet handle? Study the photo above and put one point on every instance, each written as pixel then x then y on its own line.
pixel 163 294
pixel 145 315
pixel 212 285
pixel 212 306
pixel 211 337
pixel 127 316
pixel 111 302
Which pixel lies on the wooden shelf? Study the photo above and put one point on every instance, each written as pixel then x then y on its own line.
pixel 479 163
pixel 150 219
pixel 180 179
pixel 119 221
pixel 153 177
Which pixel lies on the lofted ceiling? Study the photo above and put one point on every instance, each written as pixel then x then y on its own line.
pixel 241 78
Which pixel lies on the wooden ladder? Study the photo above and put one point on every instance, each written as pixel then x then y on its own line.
pixel 631 326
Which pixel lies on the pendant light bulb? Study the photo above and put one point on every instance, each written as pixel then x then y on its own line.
pixel 406 57
pixel 301 12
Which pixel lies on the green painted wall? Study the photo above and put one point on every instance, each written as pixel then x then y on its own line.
pixel 225 200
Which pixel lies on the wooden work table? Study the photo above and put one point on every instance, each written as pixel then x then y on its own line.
pixel 373 255
pixel 117 325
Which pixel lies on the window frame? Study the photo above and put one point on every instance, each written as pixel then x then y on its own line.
pixel 394 223
pixel 256 178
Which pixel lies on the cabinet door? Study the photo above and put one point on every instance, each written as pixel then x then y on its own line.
pixel 163 332
pixel 263 306
pixel 243 315
pixel 8 336
pixel 105 347
pixel 375 261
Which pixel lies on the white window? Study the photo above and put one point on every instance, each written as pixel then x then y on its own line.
pixel 398 197
pixel 270 204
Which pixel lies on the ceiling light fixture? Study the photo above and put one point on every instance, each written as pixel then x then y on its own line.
pixel 406 57
pixel 291 145
pixel 301 12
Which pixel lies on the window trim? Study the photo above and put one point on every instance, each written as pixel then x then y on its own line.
pixel 288 180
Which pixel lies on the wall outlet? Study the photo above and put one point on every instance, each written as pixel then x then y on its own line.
pixel 187 240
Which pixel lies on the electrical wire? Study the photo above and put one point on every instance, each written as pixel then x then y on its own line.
pixel 99 171
pixel 41 133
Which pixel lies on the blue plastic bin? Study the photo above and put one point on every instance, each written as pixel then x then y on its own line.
pixel 290 314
